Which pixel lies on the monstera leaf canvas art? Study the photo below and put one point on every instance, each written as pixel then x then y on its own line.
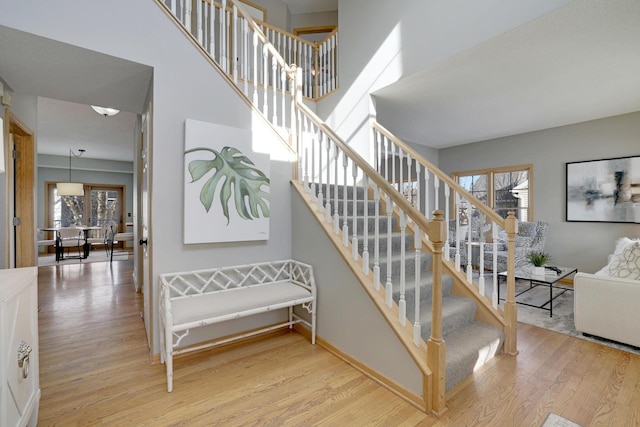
pixel 226 185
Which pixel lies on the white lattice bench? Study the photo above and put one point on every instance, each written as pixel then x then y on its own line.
pixel 193 299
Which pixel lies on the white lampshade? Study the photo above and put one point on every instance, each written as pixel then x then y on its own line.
pixel 104 111
pixel 70 189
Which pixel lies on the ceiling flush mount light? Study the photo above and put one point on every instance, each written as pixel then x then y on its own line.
pixel 71 188
pixel 104 111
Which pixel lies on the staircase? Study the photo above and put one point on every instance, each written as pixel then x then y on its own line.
pixel 469 343
pixel 411 260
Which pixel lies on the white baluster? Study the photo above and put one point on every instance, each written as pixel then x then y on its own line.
pixel 494 235
pixel 376 233
pixel 457 237
pixel 365 240
pixel 376 150
pixel 436 195
pixel 223 36
pixel 392 147
pixel 336 216
pixel 389 284
pixel 187 15
pixel 304 136
pixel 173 6
pixel 409 185
pixel 417 327
pixel 320 195
pixel 402 304
pixel 386 157
pixel 199 21
pixel 328 185
pixel 447 191
pixel 418 168
pixel 401 166
pixel 345 225
pixel 274 83
pixel 234 43
pixel 283 82
pixel 354 238
pixel 313 160
pixel 469 246
pixel 427 212
pixel 245 56
pixel 481 288
pixel 332 67
pixel 212 30
pixel 255 69
pixel 265 77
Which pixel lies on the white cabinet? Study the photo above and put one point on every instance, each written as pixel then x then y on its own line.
pixel 19 364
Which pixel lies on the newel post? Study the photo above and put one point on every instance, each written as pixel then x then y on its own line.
pixel 510 309
pixel 436 346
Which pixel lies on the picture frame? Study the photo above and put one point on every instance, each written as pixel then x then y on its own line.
pixel 604 190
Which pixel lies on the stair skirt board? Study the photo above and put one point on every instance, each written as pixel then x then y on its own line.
pixel 469 343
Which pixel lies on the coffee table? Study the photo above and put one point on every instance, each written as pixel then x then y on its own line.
pixel 549 279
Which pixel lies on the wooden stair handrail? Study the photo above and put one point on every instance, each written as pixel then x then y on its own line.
pixel 442 176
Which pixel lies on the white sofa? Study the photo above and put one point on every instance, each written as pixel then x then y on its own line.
pixel 607 303
pixel 607 307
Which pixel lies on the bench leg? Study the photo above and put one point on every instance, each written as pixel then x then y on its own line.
pixel 313 323
pixel 290 317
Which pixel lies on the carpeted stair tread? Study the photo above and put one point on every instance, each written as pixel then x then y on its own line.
pixel 468 348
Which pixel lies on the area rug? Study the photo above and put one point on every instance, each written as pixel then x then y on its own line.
pixel 94 256
pixel 555 420
pixel 562 320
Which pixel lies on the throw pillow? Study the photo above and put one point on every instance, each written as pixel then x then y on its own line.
pixel 626 264
pixel 622 243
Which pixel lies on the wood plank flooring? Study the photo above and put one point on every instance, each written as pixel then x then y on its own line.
pixel 95 370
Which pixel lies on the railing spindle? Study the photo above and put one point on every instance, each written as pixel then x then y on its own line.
pixel 402 303
pixel 417 327
pixel 376 224
pixel 354 239
pixel 336 215
pixel 389 283
pixel 365 239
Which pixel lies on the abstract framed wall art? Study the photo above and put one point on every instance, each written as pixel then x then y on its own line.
pixel 606 190
pixel 226 185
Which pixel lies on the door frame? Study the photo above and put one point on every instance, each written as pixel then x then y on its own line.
pixel 20 181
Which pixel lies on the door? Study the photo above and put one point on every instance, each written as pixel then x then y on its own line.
pixel 144 224
pixel 21 218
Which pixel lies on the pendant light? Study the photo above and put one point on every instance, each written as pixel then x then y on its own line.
pixel 71 188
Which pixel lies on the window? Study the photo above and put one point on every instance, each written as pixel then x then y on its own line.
pixel 502 189
pixel 104 203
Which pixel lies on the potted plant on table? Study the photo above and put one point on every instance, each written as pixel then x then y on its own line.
pixel 538 259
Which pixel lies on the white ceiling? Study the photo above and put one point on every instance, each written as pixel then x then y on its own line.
pixel 67 79
pixel 578 63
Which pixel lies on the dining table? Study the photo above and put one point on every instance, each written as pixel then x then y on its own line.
pixel 86 247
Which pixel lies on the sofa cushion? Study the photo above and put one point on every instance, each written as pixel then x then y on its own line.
pixel 626 264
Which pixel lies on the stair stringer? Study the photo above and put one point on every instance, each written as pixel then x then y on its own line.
pixel 412 383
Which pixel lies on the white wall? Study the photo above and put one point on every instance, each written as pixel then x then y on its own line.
pixel 382 42
pixel 185 86
pixel 584 245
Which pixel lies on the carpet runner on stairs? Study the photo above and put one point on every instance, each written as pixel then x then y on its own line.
pixel 469 343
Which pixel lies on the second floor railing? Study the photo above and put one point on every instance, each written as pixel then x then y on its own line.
pixel 223 30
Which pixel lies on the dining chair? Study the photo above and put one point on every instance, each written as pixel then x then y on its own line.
pixel 70 237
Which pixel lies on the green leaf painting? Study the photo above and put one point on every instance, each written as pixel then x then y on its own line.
pixel 234 175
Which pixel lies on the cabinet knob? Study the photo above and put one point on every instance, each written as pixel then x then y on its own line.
pixel 24 351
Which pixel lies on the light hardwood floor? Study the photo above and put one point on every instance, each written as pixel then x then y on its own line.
pixel 95 370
